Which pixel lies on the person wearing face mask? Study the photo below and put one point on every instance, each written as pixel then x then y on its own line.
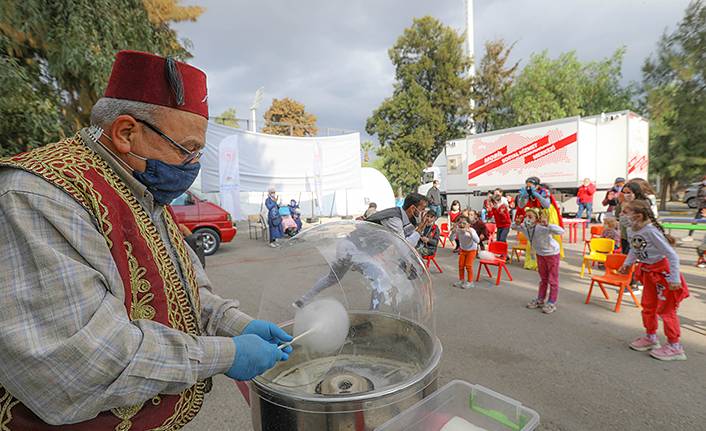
pixel 535 195
pixel 541 236
pixel 109 321
pixel 274 220
pixel 403 221
pixel 631 191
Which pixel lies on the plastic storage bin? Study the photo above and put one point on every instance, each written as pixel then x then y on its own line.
pixel 482 407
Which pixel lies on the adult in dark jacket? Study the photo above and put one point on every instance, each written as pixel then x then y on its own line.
pixel 429 236
pixel 274 220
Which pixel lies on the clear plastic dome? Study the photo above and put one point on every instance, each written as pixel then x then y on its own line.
pixel 367 268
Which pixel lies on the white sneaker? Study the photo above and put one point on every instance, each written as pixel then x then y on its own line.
pixel 273 245
pixel 468 285
pixel 458 284
pixel 687 239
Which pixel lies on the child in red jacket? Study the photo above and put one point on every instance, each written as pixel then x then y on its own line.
pixel 501 214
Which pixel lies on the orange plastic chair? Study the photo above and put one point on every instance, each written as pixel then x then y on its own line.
pixel 499 249
pixel 444 234
pixel 520 247
pixel 614 278
pixel 492 229
pixel 600 248
pixel 596 232
pixel 428 260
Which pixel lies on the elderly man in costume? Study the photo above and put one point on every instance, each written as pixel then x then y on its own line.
pixel 107 320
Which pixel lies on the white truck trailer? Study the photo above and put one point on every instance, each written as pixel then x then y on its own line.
pixel 561 153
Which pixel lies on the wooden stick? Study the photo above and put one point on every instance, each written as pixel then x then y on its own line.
pixel 307 332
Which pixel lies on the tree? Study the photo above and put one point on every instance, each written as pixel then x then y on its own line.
pixel 491 87
pixel 288 117
pixel 549 89
pixel 430 100
pixel 674 96
pixel 228 118
pixel 366 146
pixel 59 54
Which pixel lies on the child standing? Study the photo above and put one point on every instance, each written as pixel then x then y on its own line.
pixel 468 241
pixel 501 214
pixel 658 270
pixel 611 231
pixel 539 234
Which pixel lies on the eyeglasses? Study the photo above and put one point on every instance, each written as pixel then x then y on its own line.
pixel 191 156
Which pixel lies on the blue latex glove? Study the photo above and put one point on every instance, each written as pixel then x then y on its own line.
pixel 269 332
pixel 253 356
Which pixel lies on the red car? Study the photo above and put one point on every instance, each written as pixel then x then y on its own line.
pixel 213 223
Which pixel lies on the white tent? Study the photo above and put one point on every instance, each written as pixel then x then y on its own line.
pixel 322 173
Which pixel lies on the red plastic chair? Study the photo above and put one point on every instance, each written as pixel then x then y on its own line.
pixel 499 249
pixel 614 278
pixel 444 234
pixel 492 230
pixel 596 232
pixel 428 260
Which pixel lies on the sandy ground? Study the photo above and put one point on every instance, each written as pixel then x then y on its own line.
pixel 573 367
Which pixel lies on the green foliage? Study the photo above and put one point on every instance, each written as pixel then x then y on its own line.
pixel 429 104
pixel 60 54
pixel 491 88
pixel 289 117
pixel 228 118
pixel 674 96
pixel 549 89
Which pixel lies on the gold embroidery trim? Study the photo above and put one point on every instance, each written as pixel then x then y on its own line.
pixel 125 414
pixel 139 307
pixel 7 402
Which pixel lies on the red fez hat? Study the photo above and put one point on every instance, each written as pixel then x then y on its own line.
pixel 148 78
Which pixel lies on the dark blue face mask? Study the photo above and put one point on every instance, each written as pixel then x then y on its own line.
pixel 167 182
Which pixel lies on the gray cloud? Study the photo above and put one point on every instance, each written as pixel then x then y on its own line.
pixel 331 55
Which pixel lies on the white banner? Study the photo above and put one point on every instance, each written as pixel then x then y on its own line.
pixel 290 164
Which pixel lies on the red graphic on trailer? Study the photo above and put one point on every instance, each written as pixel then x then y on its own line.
pixel 638 163
pixel 500 161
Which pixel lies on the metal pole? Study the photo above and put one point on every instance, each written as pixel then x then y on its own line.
pixel 253 120
pixel 470 52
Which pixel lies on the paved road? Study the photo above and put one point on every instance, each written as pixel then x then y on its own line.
pixel 573 367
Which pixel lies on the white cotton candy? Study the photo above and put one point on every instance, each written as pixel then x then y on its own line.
pixel 327 319
pixel 460 424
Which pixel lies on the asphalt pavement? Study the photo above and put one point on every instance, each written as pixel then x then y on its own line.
pixel 573 367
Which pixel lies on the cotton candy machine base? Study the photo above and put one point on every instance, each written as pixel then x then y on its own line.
pixel 388 364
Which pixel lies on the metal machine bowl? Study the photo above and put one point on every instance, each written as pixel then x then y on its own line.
pixel 388 364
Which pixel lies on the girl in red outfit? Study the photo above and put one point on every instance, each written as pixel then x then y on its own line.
pixel 501 214
pixel 658 270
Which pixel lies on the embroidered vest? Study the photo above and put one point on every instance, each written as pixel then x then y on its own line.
pixel 153 287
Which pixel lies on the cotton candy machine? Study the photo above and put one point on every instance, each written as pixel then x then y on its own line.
pixel 390 356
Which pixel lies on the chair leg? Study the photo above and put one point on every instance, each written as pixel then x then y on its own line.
pixel 634 298
pixel 478 271
pixel 605 293
pixel 620 299
pixel 437 266
pixel 427 262
pixel 590 290
pixel 507 271
pixel 487 270
pixel 500 272
pixel 583 268
pixel 443 242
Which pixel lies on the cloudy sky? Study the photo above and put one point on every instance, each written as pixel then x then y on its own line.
pixel 331 55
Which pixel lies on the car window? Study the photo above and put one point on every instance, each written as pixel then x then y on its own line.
pixel 181 200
